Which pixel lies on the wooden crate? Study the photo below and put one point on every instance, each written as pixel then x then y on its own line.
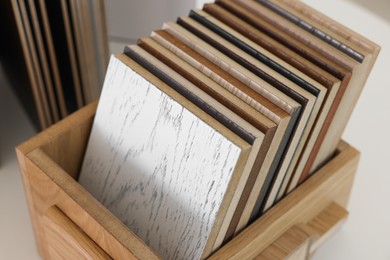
pixel 70 223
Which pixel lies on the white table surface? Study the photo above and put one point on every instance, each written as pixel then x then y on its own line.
pixel 366 233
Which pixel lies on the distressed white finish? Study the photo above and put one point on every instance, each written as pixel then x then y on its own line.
pixel 155 165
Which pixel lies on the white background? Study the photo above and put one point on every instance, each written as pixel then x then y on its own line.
pixel 366 233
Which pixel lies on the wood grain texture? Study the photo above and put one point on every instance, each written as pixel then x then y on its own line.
pixel 233 84
pixel 360 72
pixel 43 160
pixel 53 58
pixel 284 82
pixel 222 114
pixel 270 45
pixel 294 244
pixel 98 15
pixel 271 140
pixel 92 89
pixel 47 185
pixel 69 31
pixel 243 109
pixel 336 27
pixel 355 52
pixel 36 30
pixel 335 87
pixel 140 181
pixel 43 123
pixel 55 22
pixel 71 242
pixel 300 206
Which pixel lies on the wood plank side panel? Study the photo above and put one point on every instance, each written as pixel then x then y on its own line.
pixel 331 184
pixel 67 240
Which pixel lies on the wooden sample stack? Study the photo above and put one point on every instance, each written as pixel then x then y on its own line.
pixel 209 122
pixel 201 130
pixel 55 54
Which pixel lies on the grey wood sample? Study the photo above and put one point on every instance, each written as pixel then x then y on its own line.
pixel 161 165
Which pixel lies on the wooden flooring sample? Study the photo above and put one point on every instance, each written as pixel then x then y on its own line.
pixel 274 95
pixel 222 114
pixel 272 136
pixel 277 52
pixel 359 70
pixel 29 47
pixel 251 17
pixel 160 164
pixel 296 82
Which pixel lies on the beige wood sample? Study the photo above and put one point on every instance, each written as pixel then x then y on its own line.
pixel 43 121
pixel 43 61
pixel 35 61
pixel 92 89
pixel 81 50
pixel 72 53
pixel 98 13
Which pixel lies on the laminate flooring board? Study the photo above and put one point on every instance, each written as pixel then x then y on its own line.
pixel 153 170
pixel 288 14
pixel 269 45
pixel 69 31
pixel 353 50
pixel 225 116
pixel 52 11
pixel 333 25
pixel 360 71
pixel 32 63
pixel 42 56
pixel 100 36
pixel 337 33
pixel 15 64
pixel 85 17
pixel 321 106
pixel 268 31
pixel 53 61
pixel 35 59
pixel 285 124
pixel 313 56
pixel 308 101
pixel 79 48
pixel 237 106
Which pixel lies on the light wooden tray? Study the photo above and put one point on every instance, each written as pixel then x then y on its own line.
pixel 70 223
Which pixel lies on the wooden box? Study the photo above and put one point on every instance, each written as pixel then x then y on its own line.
pixel 69 223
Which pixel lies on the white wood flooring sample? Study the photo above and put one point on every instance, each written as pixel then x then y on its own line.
pixel 156 165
